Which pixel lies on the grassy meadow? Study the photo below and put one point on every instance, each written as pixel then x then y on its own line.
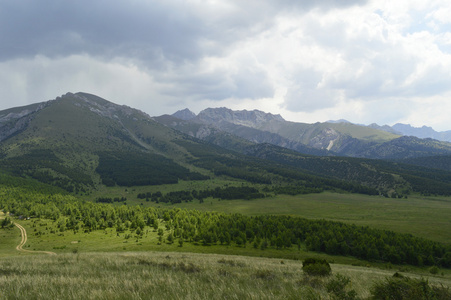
pixel 422 216
pixel 43 235
pixel 168 275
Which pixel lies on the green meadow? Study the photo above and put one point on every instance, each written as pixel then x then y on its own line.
pixel 422 216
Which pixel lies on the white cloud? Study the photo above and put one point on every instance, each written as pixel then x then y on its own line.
pixel 367 61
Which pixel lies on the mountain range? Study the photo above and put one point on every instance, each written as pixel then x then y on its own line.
pixel 329 138
pixel 80 141
pixel 420 132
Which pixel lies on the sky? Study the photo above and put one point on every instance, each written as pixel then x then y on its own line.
pixel 381 62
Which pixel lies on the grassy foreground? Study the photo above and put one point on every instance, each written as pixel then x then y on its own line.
pixel 164 275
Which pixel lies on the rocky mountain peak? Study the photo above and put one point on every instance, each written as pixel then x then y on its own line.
pixel 101 106
pixel 184 114
pixel 253 118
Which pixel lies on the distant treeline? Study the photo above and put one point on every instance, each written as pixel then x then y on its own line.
pixel 227 193
pixel 260 232
pixel 110 200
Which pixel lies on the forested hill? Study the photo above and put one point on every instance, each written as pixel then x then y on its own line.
pixel 80 141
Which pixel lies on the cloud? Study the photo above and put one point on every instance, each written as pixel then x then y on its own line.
pixel 373 60
pixel 310 59
pixel 41 78
pixel 102 28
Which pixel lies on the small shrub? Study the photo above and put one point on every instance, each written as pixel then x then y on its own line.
pixel 337 288
pixel 433 270
pixel 6 223
pixel 316 267
pixel 312 282
pixel 406 288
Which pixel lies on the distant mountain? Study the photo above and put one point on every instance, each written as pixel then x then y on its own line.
pixel 423 132
pixel 336 138
pixel 80 141
pixel 235 137
pixel 338 121
pixel 261 127
pixel 253 119
pixel 385 128
pixel 419 132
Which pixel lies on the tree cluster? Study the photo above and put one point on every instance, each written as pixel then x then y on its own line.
pixel 226 193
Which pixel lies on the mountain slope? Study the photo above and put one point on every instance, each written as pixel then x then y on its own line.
pixel 235 137
pixel 68 141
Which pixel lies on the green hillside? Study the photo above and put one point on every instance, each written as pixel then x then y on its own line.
pixel 79 142
pixel 62 143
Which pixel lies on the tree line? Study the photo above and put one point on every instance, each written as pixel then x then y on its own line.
pixel 260 232
pixel 226 193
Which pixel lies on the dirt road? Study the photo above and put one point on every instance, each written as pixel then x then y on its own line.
pixel 23 234
pixel 24 240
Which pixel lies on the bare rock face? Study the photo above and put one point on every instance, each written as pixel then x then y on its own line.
pixel 184 114
pixel 325 140
pixel 16 120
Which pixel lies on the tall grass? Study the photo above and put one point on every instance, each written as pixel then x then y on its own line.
pixel 156 275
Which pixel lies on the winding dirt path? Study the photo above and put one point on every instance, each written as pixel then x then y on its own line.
pixel 24 240
pixel 23 234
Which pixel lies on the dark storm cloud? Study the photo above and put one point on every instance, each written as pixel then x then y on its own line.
pixel 145 30
pixel 161 37
pixel 136 29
